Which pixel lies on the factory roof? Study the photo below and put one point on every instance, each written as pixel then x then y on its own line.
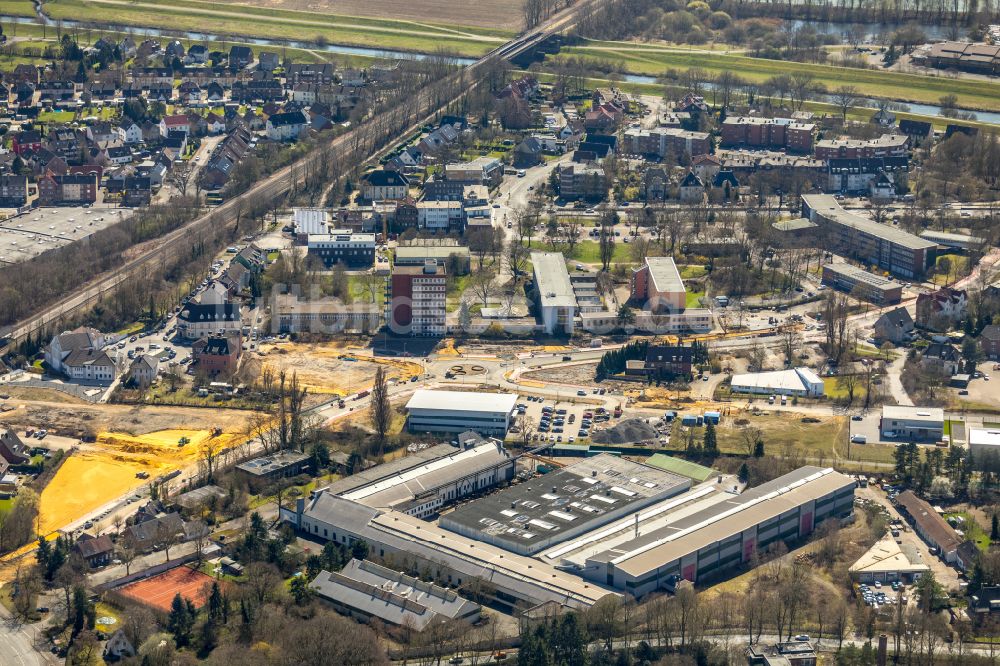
pixel 462 555
pixel 793 379
pixel 929 522
pixel 984 437
pixel 403 486
pixel 562 502
pixel 391 596
pixel 680 466
pixel 664 274
pixel 724 519
pixel 913 413
pixel 392 468
pixel 462 401
pixel 828 206
pixel 552 280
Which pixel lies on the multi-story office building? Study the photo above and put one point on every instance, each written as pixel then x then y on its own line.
pixel 354 250
pixel 881 245
pixel 415 300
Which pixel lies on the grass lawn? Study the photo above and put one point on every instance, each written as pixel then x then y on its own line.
pixel 110 615
pixel 131 329
pixel 959 266
pixel 587 252
pixel 832 390
pixel 823 442
pixel 8 602
pixel 456 287
pixel 691 271
pixel 17 8
pixel 972 529
pixel 359 292
pixel 56 116
pixel 693 298
pixel 654 60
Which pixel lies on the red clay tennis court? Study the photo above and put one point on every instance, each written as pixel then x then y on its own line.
pixel 158 591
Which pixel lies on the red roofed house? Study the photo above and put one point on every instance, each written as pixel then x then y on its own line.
pixel 175 123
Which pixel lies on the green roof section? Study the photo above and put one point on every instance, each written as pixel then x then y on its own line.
pixel 680 466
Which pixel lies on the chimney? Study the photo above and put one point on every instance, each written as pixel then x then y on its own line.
pixel 593 473
pixel 883 644
pixel 554 490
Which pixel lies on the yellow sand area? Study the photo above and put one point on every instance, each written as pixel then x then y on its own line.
pixel 91 478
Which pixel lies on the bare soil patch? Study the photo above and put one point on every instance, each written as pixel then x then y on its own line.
pixel 502 14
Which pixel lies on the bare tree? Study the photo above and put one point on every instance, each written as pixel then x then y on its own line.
pixel 845 97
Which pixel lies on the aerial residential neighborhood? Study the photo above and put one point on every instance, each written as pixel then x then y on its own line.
pixel 598 332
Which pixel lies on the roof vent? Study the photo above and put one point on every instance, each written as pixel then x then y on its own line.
pixel 593 473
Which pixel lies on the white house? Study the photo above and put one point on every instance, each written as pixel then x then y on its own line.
pixel 67 343
pixel 199 320
pixel 175 123
pixel 286 126
pixel 439 215
pixel 143 370
pixel 130 133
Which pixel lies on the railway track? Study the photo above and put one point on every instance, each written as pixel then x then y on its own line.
pixel 347 148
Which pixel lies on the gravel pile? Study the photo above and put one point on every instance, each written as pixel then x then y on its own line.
pixel 628 431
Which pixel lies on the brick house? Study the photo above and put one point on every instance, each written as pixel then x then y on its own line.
pixel 217 355
pixel 989 342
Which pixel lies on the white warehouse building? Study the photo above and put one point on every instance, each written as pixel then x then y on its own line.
pixel 801 382
pixel 488 414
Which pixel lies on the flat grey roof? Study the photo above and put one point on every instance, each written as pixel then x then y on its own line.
pixel 462 401
pixel 414 252
pixel 828 206
pixel 664 274
pixel 552 280
pixel 567 499
pixel 722 520
pixel 861 275
pixel 913 413
pixel 268 464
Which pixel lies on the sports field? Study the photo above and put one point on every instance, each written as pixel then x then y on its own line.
pixel 158 591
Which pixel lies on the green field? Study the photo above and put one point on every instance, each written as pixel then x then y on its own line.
pixel 191 15
pixel 17 8
pixel 653 61
pixel 587 251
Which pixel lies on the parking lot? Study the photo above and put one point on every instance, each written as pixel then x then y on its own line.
pixel 26 236
pixel 572 418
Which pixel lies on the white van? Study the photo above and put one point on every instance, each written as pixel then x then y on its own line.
pixel 859 439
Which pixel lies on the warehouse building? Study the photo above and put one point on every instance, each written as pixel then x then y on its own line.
pixel 984 443
pixel 488 414
pixel 411 544
pixel 423 482
pixel 531 516
pixel 858 282
pixel 912 424
pixel 801 382
pixel 365 590
pixel 929 524
pixel 853 235
pixel 726 534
